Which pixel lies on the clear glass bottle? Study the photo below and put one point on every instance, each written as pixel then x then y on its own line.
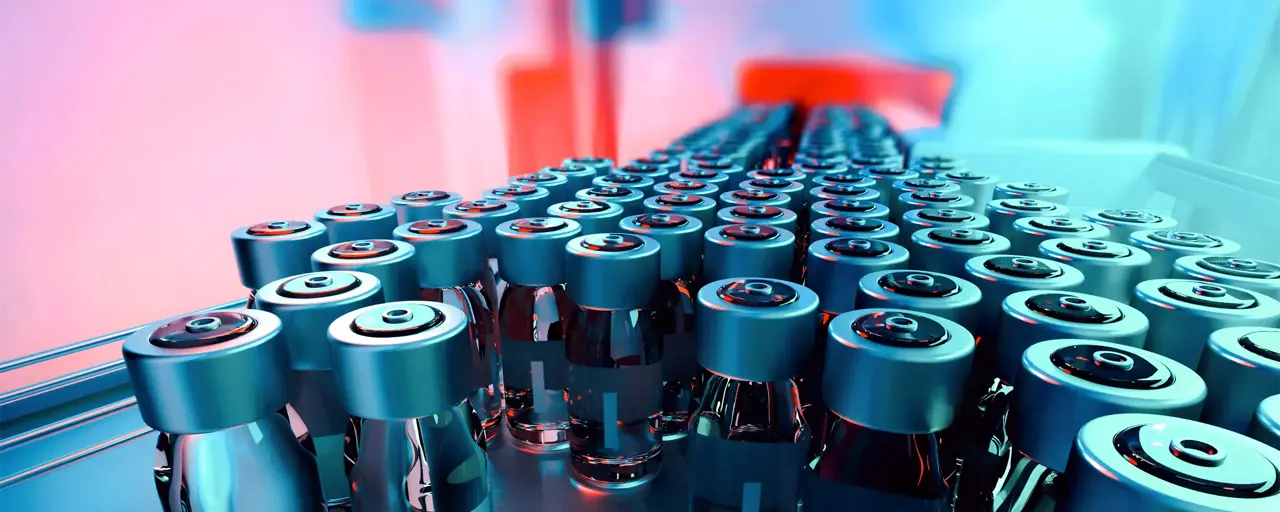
pixel 748 439
pixel 675 310
pixel 888 450
pixel 615 370
pixel 533 319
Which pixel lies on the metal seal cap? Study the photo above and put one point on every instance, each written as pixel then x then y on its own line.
pixel 842 208
pixel 1184 313
pixel 272 250
pixel 759 215
pixel 1123 222
pixel 680 238
pixel 1031 316
pixel 844 192
pixel 747 250
pixel 445 251
pixel 1265 426
pixel 1031 190
pixel 648 170
pixel 861 227
pixel 391 261
pixel 1002 212
pixel 836 264
pixel 357 221
pixel 755 197
pixel 1257 275
pixel 422 205
pixel 1162 463
pixel 306 304
pixel 758 330
pixel 929 292
pixel 488 213
pixel 702 208
pixel 612 271
pixel 1024 272
pixel 919 362
pixel 1242 367
pixel 401 360
pixel 208 371
pixel 687 187
pixel 1064 383
pixel 628 199
pixel 532 250
pixel 593 216
pixel 616 179
pixel 598 164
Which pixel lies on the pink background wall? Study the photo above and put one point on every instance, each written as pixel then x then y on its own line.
pixel 137 135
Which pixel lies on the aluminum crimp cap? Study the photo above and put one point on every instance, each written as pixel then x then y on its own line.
pixel 272 250
pixel 629 199
pixel 933 218
pixel 845 192
pixel 837 264
pixel 488 213
pixel 357 221
pixel 918 361
pixel 1265 426
pixel 1031 190
pixel 687 187
pixel 842 208
pixel 531 198
pixel 617 179
pixel 422 205
pixel 306 304
pixel 747 250
pixel 612 271
pixel 930 292
pixel 1257 275
pixel 758 215
pixel 1148 462
pixel 1024 272
pixel 725 167
pixel 704 209
pixel 402 360
pixel 593 216
pixel 1123 222
pixel 208 371
pixel 1031 316
pixel 861 227
pixel 846 179
pixel 391 261
pixel 1242 367
pixel 1061 227
pixel 1002 212
pixel 755 197
pixel 757 330
pixel 597 164
pixel 648 170
pixel 1184 313
pixel 1064 383
pixel 532 250
pixel 702 174
pixel 777 172
pixel 578 176
pixel 445 251
pixel 680 238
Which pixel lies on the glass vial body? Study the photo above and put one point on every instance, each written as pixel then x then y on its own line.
pixel 533 321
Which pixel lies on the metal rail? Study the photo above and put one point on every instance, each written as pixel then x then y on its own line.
pixel 53 353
